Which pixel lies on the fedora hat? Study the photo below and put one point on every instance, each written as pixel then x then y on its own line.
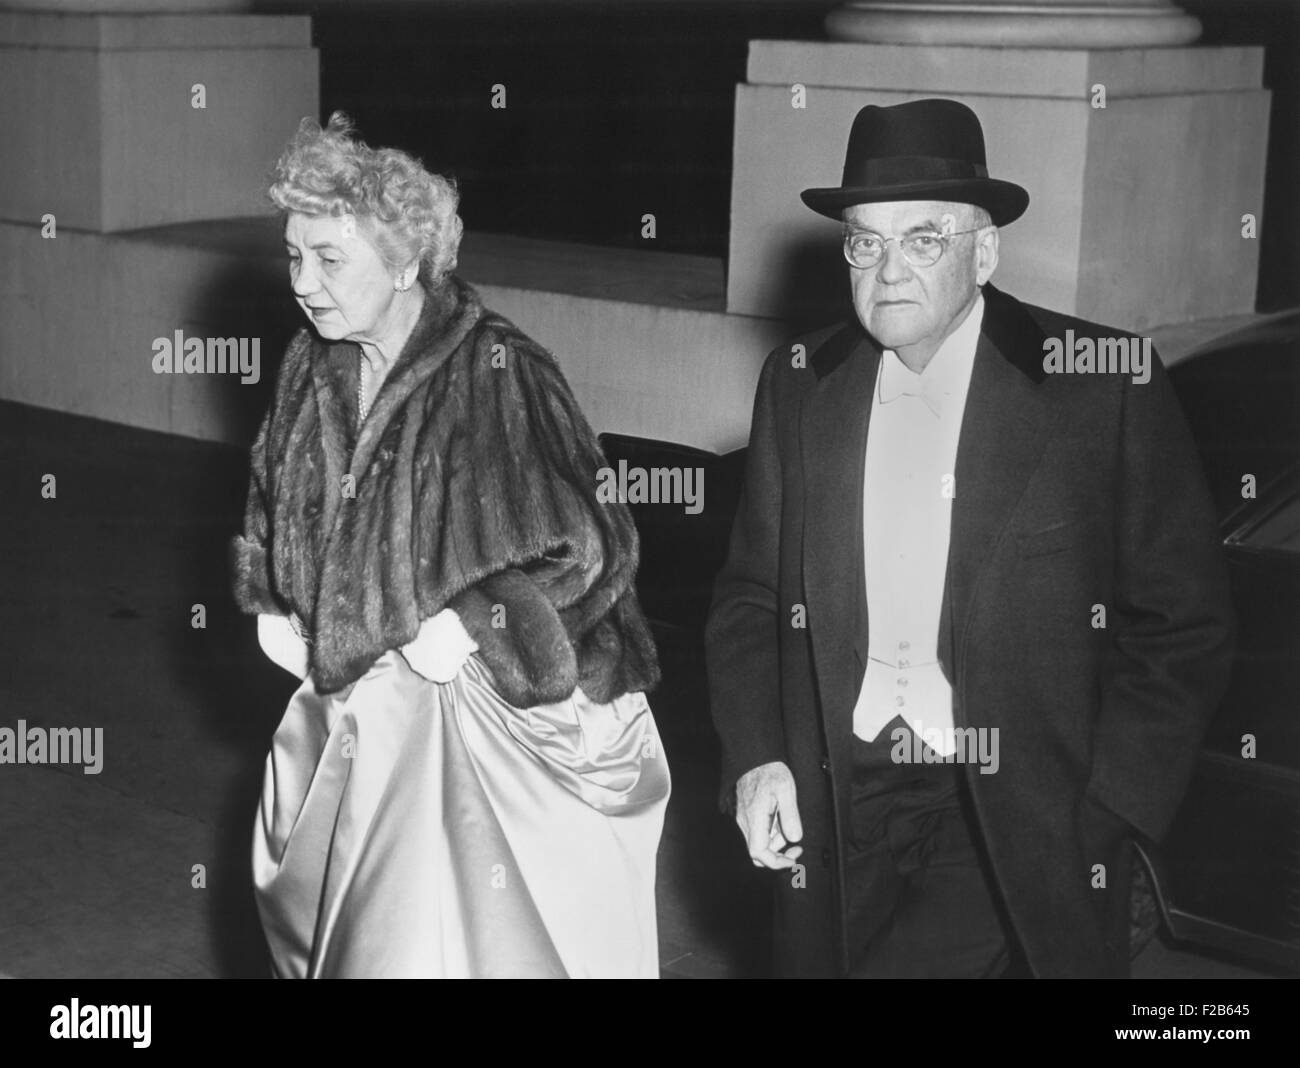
pixel 921 150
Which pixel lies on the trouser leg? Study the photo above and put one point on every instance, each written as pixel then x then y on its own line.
pixel 921 900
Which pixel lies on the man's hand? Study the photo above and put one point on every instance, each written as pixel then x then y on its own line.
pixel 768 815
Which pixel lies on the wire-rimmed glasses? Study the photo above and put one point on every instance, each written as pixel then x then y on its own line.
pixel 923 248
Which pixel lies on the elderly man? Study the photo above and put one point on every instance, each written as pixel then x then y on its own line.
pixel 973 619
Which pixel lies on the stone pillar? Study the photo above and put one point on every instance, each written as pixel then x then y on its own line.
pixel 1028 24
pixel 128 7
pixel 1141 163
pixel 116 120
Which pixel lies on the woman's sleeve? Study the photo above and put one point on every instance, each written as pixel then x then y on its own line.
pixel 520 636
pixel 597 540
pixel 250 560
pixel 583 552
pixel 250 551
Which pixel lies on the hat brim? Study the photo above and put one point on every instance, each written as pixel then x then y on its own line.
pixel 1004 201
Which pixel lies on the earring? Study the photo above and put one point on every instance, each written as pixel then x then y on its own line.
pixel 402 284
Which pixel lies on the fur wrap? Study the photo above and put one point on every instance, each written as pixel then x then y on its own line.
pixel 473 486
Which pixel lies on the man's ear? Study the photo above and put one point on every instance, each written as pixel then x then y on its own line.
pixel 986 255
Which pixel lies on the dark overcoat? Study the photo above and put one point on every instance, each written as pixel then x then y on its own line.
pixel 1073 493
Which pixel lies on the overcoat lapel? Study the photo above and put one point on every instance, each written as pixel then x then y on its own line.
pixel 833 433
pixel 1004 432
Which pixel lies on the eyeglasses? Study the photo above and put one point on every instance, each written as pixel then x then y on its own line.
pixel 863 249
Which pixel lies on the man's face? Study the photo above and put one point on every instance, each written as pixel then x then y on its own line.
pixel 912 309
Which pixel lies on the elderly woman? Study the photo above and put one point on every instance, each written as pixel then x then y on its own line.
pixel 469 781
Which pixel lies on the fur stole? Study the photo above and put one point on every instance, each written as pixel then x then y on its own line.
pixel 471 485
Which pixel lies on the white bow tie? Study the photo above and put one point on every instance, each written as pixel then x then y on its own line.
pixel 930 392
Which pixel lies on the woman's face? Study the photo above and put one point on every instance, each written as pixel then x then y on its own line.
pixel 338 278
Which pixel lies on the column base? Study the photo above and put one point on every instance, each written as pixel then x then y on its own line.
pixel 1153 25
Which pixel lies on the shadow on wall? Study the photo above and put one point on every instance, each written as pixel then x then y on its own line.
pixel 815 281
pixel 248 296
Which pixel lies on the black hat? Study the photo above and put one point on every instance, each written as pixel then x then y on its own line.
pixel 921 150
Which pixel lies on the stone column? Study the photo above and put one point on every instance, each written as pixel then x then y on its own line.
pixel 128 7
pixel 161 118
pixel 114 119
pixel 1028 24
pixel 1144 165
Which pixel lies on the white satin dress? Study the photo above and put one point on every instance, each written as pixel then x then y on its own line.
pixel 415 829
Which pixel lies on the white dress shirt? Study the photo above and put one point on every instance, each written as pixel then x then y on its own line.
pixel 907 511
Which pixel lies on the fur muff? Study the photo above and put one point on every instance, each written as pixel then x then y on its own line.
pixel 471 485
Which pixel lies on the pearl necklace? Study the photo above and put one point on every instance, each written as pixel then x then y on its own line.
pixel 362 407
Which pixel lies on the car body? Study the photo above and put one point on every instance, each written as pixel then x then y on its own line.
pixel 1227 876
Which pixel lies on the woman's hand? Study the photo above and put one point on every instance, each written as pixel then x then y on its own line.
pixel 441 648
pixel 281 643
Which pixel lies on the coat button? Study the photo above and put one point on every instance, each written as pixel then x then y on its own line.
pixel 826 765
pixel 826 857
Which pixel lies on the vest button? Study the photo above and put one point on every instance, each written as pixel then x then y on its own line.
pixel 826 858
pixel 826 765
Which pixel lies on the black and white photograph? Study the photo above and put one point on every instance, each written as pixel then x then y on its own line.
pixel 636 489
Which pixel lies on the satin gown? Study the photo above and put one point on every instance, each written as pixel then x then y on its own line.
pixel 415 829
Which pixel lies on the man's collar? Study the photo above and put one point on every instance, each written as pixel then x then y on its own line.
pixel 947 371
pixel 1011 330
pixel 1007 325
